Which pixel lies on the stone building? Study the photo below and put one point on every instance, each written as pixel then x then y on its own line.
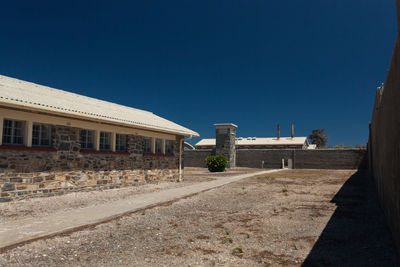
pixel 261 143
pixel 53 141
pixel 251 142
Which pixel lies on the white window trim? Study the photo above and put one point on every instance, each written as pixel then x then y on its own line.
pixel 30 144
pixel 153 145
pixel 96 140
pixel 163 146
pixel 72 122
pixel 25 122
pixel 154 151
pixel 111 134
pixel 29 132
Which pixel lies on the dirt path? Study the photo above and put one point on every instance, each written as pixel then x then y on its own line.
pixel 313 217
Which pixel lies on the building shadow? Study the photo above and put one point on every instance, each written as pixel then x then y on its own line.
pixel 356 234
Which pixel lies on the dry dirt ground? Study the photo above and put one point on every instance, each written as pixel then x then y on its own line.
pixel 290 218
pixel 37 207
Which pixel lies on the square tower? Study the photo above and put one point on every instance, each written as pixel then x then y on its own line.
pixel 225 137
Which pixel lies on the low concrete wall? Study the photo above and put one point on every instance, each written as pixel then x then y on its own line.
pixel 302 159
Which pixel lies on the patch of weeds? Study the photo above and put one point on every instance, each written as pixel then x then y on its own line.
pixel 190 240
pixel 247 236
pixel 226 232
pixel 284 190
pixel 237 251
pixel 227 240
pixel 294 247
pixel 143 212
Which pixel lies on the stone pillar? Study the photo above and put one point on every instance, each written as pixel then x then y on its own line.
pixel 225 138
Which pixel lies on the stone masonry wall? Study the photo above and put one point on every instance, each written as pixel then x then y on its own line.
pixel 302 159
pixel 197 158
pixel 384 143
pixel 225 143
pixel 27 172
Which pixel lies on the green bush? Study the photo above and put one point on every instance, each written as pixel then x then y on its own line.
pixel 216 163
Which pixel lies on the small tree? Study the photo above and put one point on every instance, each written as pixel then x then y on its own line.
pixel 318 137
pixel 216 163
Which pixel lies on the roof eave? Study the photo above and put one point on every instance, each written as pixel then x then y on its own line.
pixel 94 119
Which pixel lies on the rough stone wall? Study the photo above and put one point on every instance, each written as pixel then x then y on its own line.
pixel 302 159
pixel 63 168
pixel 65 138
pixel 24 185
pixel 384 144
pixel 197 158
pixel 225 143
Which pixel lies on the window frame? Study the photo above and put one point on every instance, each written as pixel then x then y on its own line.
pixel 86 141
pixel 40 137
pixel 158 147
pixel 118 142
pixel 169 144
pixel 105 141
pixel 150 147
pixel 12 135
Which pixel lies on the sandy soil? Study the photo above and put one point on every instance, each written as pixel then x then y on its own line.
pixel 37 207
pixel 309 217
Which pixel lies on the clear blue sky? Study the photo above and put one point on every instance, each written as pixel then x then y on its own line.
pixel 254 63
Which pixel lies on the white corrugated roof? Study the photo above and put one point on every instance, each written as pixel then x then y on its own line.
pixel 257 141
pixel 34 96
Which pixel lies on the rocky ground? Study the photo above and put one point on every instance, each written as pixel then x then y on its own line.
pixel 290 218
pixel 37 207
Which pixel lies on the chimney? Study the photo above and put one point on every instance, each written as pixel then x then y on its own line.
pixel 292 130
pixel 279 132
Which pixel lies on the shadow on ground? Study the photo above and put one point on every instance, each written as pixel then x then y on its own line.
pixel 356 234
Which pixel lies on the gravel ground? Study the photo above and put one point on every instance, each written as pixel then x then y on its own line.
pixel 37 207
pixel 310 217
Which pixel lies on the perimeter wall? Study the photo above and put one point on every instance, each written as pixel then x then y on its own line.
pixel 384 144
pixel 302 159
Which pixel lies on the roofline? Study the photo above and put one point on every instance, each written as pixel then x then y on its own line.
pixel 298 144
pixel 189 145
pixel 225 124
pixel 91 119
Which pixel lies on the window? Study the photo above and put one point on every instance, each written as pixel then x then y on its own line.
pixel 120 142
pixel 87 139
pixel 41 134
pixel 158 146
pixel 13 132
pixel 105 141
pixel 168 147
pixel 147 144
